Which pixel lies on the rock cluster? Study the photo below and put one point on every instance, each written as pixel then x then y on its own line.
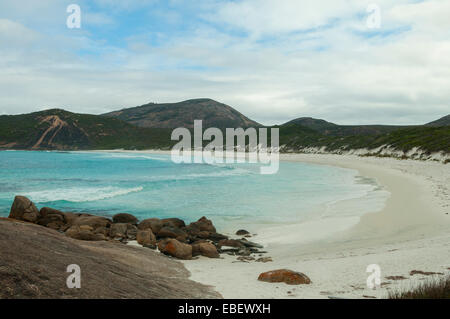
pixel 171 236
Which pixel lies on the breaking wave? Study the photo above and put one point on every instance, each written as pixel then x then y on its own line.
pixel 80 195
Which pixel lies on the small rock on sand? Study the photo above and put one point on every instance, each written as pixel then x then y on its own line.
pixel 284 275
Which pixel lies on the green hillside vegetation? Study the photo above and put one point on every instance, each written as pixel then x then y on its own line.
pixel 443 121
pixel 429 139
pixel 328 128
pixel 59 129
pixel 183 114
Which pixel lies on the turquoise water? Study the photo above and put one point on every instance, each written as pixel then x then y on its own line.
pixel 148 185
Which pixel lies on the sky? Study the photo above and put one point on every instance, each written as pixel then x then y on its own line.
pixel 346 61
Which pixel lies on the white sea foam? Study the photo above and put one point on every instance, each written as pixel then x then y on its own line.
pixel 224 173
pixel 79 195
pixel 135 156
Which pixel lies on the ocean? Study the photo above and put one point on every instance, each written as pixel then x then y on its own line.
pixel 148 185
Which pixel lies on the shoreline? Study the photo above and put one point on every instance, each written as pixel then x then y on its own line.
pixel 412 225
pixel 392 174
pixel 411 194
pixel 409 233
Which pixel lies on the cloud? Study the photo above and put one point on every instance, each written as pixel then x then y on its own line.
pixel 271 16
pixel 272 60
pixel 427 16
pixel 15 34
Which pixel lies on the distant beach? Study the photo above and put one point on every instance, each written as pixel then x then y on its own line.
pixel 410 233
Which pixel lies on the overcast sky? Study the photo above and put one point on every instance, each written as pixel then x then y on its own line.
pixel 273 60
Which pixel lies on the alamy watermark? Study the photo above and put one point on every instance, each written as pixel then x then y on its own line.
pixel 74 19
pixel 374 279
pixel 74 279
pixel 374 19
pixel 256 150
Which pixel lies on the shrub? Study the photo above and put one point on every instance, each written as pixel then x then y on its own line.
pixel 436 288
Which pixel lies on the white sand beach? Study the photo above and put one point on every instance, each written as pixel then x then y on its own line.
pixel 410 233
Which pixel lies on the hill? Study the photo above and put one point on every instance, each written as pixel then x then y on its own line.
pixel 443 121
pixel 427 139
pixel 61 130
pixel 183 114
pixel 312 123
pixel 328 128
pixel 308 133
pixel 57 129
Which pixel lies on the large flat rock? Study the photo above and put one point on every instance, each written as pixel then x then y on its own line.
pixel 34 260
